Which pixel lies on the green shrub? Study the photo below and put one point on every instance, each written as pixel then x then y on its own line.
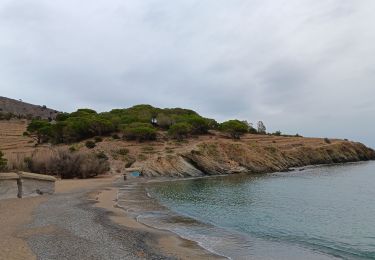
pixel 180 131
pixel 122 151
pixel 148 149
pixel 72 149
pixel 164 121
pixel 3 162
pixel 98 139
pixel 199 125
pixel 90 144
pixel 235 128
pixel 101 155
pixel 115 136
pixel 139 131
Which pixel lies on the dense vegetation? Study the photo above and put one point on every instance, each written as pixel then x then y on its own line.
pixel 3 162
pixel 66 164
pixel 140 122
pixel 235 128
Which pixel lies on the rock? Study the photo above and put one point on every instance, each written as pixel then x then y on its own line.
pixel 223 157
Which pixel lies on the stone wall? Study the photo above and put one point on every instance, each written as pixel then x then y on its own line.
pixel 24 184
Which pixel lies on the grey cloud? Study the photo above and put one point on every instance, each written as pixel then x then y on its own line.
pixel 300 65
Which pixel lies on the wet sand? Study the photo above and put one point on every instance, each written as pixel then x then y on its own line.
pixel 81 221
pixel 169 243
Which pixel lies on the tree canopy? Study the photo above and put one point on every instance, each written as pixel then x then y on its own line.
pixel 134 123
pixel 235 128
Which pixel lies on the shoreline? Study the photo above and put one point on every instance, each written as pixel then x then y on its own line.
pixel 144 182
pixel 52 226
pixel 168 242
pixel 21 224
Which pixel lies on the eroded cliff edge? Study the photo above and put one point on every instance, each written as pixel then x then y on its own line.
pixel 222 156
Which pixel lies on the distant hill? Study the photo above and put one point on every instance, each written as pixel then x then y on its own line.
pixel 26 110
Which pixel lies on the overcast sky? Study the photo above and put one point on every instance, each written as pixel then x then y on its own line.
pixel 303 66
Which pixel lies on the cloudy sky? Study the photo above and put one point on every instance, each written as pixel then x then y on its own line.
pixel 303 66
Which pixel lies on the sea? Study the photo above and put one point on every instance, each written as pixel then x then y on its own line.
pixel 319 212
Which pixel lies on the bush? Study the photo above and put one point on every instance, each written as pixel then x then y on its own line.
pixel 66 164
pixel 199 125
pixel 326 140
pixel 73 149
pixel 101 155
pixel 122 151
pixel 235 128
pixel 115 136
pixel 164 121
pixel 180 131
pixel 90 144
pixel 139 131
pixel 7 116
pixel 3 162
pixel 98 139
pixel 147 149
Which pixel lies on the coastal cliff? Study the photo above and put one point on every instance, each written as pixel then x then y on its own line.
pixel 222 156
pixel 211 154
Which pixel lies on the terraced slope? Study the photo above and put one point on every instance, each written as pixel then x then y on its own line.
pixel 12 139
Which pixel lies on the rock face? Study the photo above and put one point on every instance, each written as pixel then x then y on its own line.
pixel 227 157
pixel 19 185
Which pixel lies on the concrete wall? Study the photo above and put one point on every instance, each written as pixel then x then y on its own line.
pixel 23 184
pixel 9 185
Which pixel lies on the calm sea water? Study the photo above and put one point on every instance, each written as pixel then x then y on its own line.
pixel 319 213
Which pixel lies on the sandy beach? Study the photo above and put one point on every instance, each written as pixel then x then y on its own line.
pixel 81 221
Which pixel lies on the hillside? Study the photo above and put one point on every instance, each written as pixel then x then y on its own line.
pixel 210 154
pixel 11 136
pixel 25 110
pixel 216 154
pixel 171 142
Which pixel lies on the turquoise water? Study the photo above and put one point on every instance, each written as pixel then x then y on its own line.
pixel 319 213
